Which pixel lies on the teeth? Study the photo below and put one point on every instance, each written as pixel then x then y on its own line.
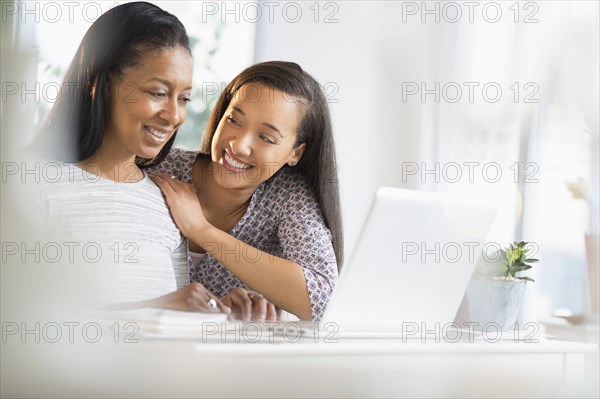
pixel 234 163
pixel 156 133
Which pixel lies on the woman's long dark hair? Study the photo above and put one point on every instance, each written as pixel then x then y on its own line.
pixel 117 40
pixel 318 163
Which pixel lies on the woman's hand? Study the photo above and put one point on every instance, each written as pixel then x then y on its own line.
pixel 183 204
pixel 192 298
pixel 249 305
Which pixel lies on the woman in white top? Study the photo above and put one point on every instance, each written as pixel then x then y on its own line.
pixel 124 98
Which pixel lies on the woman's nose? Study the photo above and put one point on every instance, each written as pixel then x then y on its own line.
pixel 173 112
pixel 241 144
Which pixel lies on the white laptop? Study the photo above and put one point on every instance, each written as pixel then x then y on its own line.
pixel 411 265
pixel 410 269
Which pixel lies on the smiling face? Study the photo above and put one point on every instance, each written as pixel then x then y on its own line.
pixel 148 104
pixel 255 137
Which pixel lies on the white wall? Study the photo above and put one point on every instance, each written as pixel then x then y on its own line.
pixel 366 55
pixel 376 46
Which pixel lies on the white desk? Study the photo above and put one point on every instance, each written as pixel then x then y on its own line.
pixel 351 368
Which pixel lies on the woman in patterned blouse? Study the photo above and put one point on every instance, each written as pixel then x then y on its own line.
pixel 260 202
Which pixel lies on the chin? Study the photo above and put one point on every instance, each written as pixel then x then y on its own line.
pixel 236 182
pixel 149 154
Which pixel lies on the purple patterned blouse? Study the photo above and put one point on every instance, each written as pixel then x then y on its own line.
pixel 283 219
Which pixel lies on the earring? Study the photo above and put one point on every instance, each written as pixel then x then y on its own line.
pixel 292 163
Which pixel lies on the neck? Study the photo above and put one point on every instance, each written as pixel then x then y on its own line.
pixel 111 166
pixel 229 202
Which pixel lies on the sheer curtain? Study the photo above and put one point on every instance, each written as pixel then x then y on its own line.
pixel 543 134
pixel 563 207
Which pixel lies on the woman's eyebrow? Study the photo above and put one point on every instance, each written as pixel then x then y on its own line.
pixel 270 126
pixel 165 82
pixel 237 109
pixel 273 128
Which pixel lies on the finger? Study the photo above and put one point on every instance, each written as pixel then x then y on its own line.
pixel 204 300
pixel 241 305
pixel 176 184
pixel 259 307
pixel 163 184
pixel 245 305
pixel 226 300
pixel 235 312
pixel 271 312
pixel 167 177
pixel 210 305
pixel 197 303
pixel 222 307
pixel 213 305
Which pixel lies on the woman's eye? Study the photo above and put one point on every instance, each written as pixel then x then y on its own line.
pixel 159 95
pixel 233 121
pixel 266 139
pixel 185 100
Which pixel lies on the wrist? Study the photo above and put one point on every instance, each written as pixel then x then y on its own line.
pixel 203 234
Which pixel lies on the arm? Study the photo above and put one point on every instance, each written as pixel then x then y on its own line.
pixel 242 304
pixel 314 251
pixel 181 267
pixel 282 282
pixel 192 298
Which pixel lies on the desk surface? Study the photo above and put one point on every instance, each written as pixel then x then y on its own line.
pixel 383 347
pixel 348 368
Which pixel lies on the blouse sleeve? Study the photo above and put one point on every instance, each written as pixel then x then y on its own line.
pixel 306 240
pixel 178 163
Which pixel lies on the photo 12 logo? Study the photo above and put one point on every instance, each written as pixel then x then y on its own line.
pixel 454 252
pixel 53 332
pixel 253 332
pixel 468 332
pixel 471 92
pixel 254 92
pixel 28 92
pixel 64 172
pixel 69 252
pixel 52 92
pixel 469 11
pixel 271 11
pixel 469 171
pixel 55 11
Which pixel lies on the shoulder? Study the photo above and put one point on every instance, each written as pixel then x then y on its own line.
pixel 178 162
pixel 179 156
pixel 291 189
pixel 288 181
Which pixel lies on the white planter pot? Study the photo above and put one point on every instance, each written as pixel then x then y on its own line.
pixel 489 300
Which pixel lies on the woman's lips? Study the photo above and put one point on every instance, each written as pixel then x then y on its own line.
pixel 158 136
pixel 235 165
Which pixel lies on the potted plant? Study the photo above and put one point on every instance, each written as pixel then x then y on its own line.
pixel 495 292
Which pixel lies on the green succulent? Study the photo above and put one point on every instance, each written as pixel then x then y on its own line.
pixel 515 260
